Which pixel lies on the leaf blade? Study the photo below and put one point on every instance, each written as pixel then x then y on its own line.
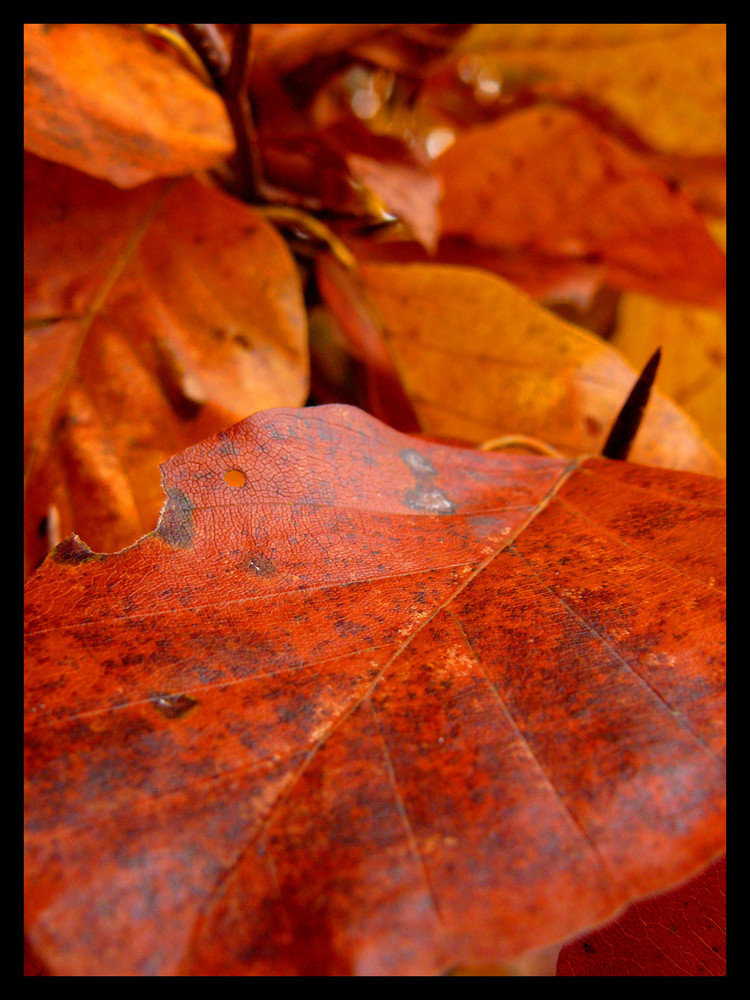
pixel 331 837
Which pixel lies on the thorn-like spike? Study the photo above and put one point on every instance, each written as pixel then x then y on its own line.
pixel 629 419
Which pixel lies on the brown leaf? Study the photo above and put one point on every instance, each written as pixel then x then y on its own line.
pixel 154 317
pixel 317 50
pixel 477 359
pixel 102 99
pixel 348 169
pixel 547 181
pixel 363 704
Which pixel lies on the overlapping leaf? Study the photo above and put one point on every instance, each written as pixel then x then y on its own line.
pixel 694 346
pixel 546 181
pixel 344 168
pixel 362 704
pixel 104 99
pixel 154 317
pixel 665 82
pixel 478 359
pixel 680 933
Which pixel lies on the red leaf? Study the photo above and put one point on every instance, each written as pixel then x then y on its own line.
pixel 680 933
pixel 364 704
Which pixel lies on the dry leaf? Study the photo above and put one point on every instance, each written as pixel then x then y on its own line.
pixel 545 180
pixel 667 82
pixel 478 358
pixel 154 317
pixel 101 98
pixel 366 705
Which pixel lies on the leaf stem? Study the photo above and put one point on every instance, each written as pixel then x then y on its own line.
pixel 520 440
pixel 294 217
pixel 207 41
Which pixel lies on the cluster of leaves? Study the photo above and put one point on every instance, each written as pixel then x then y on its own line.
pixel 468 232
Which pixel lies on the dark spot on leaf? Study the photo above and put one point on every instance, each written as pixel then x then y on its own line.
pixel 226 446
pixel 426 497
pixel 182 386
pixel 419 464
pixel 132 659
pixel 176 526
pixel 593 426
pixel 259 564
pixel 242 340
pixel 174 706
pixel 430 500
pixel 73 550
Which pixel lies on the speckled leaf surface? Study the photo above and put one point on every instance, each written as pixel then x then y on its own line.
pixel 363 704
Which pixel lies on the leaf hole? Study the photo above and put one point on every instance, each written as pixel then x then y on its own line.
pixel 235 478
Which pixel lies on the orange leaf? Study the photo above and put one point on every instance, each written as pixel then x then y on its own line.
pixel 547 181
pixel 477 358
pixel 387 707
pixel 666 82
pixel 694 342
pixel 101 98
pixel 154 317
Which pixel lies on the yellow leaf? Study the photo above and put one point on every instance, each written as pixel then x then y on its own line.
pixel 665 81
pixel 693 363
pixel 478 359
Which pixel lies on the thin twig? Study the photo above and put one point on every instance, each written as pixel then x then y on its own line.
pixel 235 91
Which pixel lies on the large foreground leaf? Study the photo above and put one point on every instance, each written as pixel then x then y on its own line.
pixel 364 704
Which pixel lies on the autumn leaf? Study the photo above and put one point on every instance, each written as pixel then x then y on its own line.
pixel 477 359
pixel 154 317
pixel 664 82
pixel 545 180
pixel 680 933
pixel 103 98
pixel 346 169
pixel 366 704
pixel 694 342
